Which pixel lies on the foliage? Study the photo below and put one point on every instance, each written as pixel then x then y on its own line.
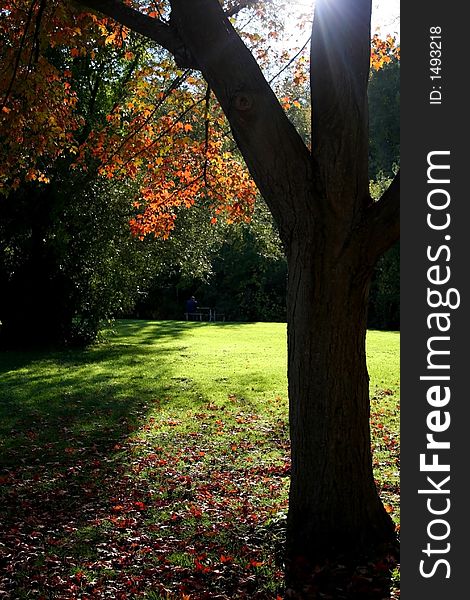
pixel 147 466
pixel 244 276
pixel 384 157
pixel 80 87
pixel 68 261
pixel 383 51
pixel 384 102
pixel 250 272
pixel 384 305
pixel 238 269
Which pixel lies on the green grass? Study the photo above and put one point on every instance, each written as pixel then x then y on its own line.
pixel 155 463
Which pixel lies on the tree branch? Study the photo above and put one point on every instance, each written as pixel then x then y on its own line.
pixel 163 34
pixel 18 56
pixel 238 6
pixel 275 154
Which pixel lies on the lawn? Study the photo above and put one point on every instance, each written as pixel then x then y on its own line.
pixel 155 464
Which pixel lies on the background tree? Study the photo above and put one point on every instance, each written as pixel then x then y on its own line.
pixel 68 259
pixel 384 98
pixel 90 112
pixel 239 269
pixel 384 157
pixel 384 296
pixel 102 85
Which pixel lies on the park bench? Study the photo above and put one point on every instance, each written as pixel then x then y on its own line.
pixel 205 313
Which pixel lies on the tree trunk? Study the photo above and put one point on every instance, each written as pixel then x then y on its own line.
pixel 334 507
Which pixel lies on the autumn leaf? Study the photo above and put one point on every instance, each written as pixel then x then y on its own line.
pixel 226 559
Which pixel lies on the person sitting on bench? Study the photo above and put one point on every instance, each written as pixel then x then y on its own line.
pixel 191 307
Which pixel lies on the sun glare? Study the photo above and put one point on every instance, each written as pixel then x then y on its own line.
pixel 385 17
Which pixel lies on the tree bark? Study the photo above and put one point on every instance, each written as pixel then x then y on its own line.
pixel 334 507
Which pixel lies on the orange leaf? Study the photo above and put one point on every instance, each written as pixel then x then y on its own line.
pixel 225 559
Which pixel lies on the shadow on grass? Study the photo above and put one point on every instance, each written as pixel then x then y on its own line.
pixel 83 396
pixel 63 419
pixel 90 512
pixel 93 396
pixel 148 331
pixel 69 498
